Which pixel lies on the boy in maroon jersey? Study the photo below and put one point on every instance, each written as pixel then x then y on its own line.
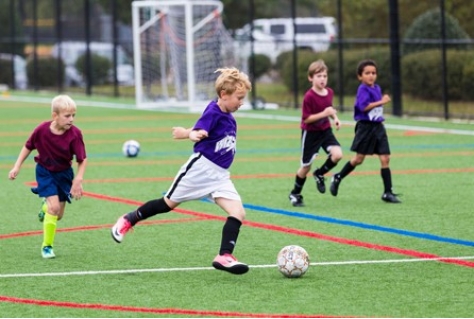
pixel 316 131
pixel 57 142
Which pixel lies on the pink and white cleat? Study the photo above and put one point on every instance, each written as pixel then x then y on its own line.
pixel 121 227
pixel 229 263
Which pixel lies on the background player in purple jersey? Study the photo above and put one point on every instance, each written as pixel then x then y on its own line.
pixel 206 174
pixel 370 134
pixel 57 142
pixel 316 131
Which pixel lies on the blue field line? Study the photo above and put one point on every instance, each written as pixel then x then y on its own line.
pixel 358 225
pixel 362 225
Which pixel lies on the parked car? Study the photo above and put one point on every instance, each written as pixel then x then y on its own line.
pixel 274 36
pixel 72 50
pixel 19 68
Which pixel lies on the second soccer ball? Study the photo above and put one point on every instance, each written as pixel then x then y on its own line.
pixel 131 148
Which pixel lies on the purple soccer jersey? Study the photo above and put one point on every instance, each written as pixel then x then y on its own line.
pixel 366 95
pixel 55 152
pixel 220 146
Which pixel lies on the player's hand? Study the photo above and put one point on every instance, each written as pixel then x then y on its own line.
pixel 337 123
pixel 330 111
pixel 13 174
pixel 76 190
pixel 386 98
pixel 197 135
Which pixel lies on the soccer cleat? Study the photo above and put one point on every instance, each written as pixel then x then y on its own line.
pixel 389 197
pixel 296 200
pixel 47 252
pixel 335 181
pixel 320 183
pixel 43 210
pixel 121 227
pixel 229 263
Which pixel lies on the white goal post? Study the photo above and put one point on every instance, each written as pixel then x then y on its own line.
pixel 177 45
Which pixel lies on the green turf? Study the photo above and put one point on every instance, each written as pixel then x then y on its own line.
pixel 368 257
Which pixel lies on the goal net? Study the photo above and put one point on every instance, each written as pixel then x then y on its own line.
pixel 178 45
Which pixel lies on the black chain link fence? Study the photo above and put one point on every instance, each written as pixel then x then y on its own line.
pixel 33 31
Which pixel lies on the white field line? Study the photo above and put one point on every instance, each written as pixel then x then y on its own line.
pixel 136 271
pixel 255 116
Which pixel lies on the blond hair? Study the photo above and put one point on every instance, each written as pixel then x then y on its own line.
pixel 231 80
pixel 317 67
pixel 62 103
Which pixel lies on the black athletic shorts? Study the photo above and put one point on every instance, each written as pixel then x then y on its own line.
pixel 370 138
pixel 312 141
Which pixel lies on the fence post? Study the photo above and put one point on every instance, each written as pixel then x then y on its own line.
pixel 443 62
pixel 395 58
pixel 340 57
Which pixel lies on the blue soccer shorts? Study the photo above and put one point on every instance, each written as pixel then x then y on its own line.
pixel 54 183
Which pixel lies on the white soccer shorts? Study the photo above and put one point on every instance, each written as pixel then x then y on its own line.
pixel 200 178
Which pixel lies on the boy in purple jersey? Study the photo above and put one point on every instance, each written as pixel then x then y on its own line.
pixel 370 134
pixel 316 131
pixel 206 174
pixel 57 142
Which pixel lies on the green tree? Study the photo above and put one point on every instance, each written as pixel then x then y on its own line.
pixel 124 9
pixel 369 19
pixel 427 27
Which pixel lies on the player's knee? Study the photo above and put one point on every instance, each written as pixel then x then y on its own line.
pixel 357 161
pixel 336 155
pixel 385 160
pixel 55 210
pixel 240 214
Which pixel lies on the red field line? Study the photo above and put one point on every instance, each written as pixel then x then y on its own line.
pixel 286 230
pixel 204 216
pixel 172 311
pixel 93 227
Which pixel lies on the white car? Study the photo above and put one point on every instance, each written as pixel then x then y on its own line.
pixel 72 50
pixel 274 36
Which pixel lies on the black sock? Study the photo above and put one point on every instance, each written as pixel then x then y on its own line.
pixel 150 208
pixel 326 167
pixel 230 232
pixel 299 183
pixel 387 179
pixel 346 170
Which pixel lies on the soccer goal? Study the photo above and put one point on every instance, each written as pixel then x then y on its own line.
pixel 178 44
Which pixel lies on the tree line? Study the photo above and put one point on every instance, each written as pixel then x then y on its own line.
pixel 360 19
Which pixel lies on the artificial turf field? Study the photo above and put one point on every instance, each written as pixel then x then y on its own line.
pixel 368 258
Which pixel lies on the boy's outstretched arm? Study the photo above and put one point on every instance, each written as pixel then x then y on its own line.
pixel 21 158
pixel 183 133
pixel 180 133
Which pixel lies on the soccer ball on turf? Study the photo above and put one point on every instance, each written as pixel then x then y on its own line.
pixel 293 261
pixel 131 148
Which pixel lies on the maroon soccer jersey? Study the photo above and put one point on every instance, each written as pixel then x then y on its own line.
pixel 314 103
pixel 56 152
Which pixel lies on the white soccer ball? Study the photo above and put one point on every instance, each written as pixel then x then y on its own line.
pixel 293 261
pixel 131 148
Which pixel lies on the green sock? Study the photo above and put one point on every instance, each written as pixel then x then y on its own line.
pixel 49 229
